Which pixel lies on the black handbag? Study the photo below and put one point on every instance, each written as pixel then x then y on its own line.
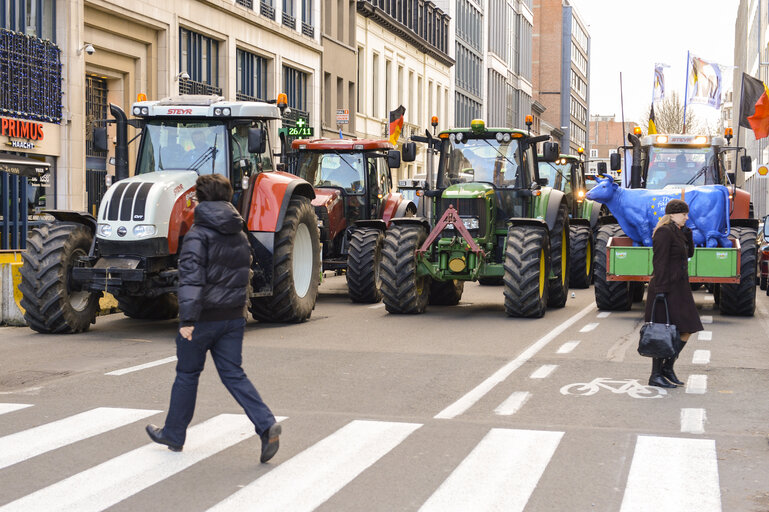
pixel 659 340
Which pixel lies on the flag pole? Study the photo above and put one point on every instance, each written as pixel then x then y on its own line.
pixel 622 109
pixel 737 144
pixel 686 89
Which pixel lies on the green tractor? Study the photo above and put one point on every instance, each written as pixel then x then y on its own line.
pixel 492 220
pixel 567 174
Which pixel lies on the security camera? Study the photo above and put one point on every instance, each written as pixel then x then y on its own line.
pixel 89 49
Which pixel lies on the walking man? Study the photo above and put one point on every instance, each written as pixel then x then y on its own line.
pixel 214 269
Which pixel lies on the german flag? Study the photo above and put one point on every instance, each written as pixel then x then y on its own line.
pixel 754 106
pixel 652 122
pixel 396 124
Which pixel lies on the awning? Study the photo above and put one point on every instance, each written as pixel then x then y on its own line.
pixel 21 165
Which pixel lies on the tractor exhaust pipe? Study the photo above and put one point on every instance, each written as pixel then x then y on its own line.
pixel 635 167
pixel 121 148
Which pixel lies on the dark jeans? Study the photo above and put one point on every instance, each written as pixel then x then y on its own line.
pixel 224 339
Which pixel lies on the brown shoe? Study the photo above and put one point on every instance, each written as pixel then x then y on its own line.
pixel 270 442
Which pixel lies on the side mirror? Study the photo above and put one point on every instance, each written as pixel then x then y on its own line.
pixel 237 178
pixel 543 182
pixel 550 152
pixel 409 151
pixel 393 159
pixel 615 161
pixel 100 139
pixel 601 167
pixel 746 163
pixel 257 141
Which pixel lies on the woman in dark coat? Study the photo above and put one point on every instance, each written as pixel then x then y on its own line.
pixel 673 246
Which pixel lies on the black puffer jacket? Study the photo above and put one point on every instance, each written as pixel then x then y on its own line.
pixel 214 265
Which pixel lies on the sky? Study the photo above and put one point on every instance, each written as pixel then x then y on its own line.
pixel 631 36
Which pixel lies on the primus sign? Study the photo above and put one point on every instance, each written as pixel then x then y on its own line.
pixel 21 129
pixel 26 136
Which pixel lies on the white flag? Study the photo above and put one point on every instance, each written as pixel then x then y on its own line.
pixel 659 82
pixel 704 82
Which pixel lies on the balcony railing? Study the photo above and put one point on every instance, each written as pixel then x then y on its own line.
pixel 267 10
pixel 308 30
pixel 247 97
pixel 195 87
pixel 245 3
pixel 289 21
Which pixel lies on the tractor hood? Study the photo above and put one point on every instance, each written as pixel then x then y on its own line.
pixel 468 191
pixel 141 207
pixel 325 196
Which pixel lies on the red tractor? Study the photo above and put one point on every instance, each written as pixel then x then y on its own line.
pixel 354 202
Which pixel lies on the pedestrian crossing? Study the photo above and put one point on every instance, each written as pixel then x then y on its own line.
pixel 500 470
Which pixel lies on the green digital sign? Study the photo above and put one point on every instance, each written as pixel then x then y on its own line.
pixel 300 130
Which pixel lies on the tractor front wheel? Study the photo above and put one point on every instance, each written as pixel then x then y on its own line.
pixel 403 291
pixel 527 267
pixel 446 293
pixel 53 303
pixel 363 260
pixel 559 259
pixel 740 299
pixel 163 307
pixel 581 252
pixel 609 295
pixel 296 267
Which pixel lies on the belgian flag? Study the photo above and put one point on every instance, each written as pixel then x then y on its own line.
pixel 754 106
pixel 652 122
pixel 396 124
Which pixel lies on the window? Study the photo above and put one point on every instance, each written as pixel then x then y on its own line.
pixel 388 86
pixel 251 76
pixel 375 109
pixel 32 17
pixel 199 57
pixel 361 107
pixel 593 153
pixel 295 85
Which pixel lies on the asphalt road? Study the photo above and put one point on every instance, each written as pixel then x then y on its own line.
pixel 461 408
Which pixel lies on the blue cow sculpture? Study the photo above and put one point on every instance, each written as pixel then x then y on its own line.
pixel 638 210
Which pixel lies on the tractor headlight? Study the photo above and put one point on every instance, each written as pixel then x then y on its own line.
pixel 144 230
pixel 104 230
pixel 469 222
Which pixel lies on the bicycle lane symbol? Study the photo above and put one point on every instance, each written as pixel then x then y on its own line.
pixel 631 387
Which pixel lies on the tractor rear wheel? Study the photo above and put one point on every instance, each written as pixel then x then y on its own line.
pixel 52 302
pixel 363 260
pixel 402 290
pixel 163 307
pixel 527 267
pixel 740 299
pixel 560 263
pixel 581 252
pixel 446 293
pixel 296 267
pixel 609 295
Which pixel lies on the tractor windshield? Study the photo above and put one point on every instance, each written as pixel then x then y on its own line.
pixel 173 145
pixel 557 174
pixel 340 170
pixel 483 160
pixel 676 166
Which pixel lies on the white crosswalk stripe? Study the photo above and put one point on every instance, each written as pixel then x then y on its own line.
pixel 310 478
pixel 5 408
pixel 20 446
pixel 690 481
pixel 109 483
pixel 499 474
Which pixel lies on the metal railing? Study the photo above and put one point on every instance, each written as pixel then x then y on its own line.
pixel 289 21
pixel 308 30
pixel 245 3
pixel 195 87
pixel 13 196
pixel 267 10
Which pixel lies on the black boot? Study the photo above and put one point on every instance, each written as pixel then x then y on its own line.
pixel 667 367
pixel 656 378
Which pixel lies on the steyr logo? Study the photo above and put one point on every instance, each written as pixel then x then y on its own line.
pixel 179 111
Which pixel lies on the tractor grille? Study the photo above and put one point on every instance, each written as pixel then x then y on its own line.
pixel 128 202
pixel 466 208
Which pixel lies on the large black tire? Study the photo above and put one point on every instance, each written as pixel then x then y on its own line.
pixel 446 293
pixel 52 303
pixel 296 268
pixel 527 267
pixel 363 261
pixel 581 252
pixel 560 262
pixel 762 283
pixel 163 307
pixel 402 291
pixel 609 295
pixel 740 299
pixel 491 281
pixel 637 290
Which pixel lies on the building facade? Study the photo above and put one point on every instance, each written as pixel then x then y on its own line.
pixel 340 67
pixel 403 59
pixel 562 71
pixel 606 135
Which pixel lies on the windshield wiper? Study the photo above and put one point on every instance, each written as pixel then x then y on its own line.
pixel 515 165
pixel 693 178
pixel 203 158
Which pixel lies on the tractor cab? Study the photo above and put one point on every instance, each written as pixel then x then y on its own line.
pixel 567 174
pixel 676 161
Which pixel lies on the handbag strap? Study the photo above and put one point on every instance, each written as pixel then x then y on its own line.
pixel 667 312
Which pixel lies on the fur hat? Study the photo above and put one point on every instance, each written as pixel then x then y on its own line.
pixel 676 206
